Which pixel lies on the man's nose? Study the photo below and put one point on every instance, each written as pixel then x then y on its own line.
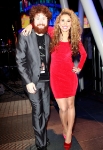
pixel 41 21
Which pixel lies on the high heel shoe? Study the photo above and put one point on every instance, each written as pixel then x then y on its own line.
pixel 67 146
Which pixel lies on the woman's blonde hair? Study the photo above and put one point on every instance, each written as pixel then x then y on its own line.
pixel 74 33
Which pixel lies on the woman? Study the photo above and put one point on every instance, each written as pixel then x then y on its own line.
pixel 65 43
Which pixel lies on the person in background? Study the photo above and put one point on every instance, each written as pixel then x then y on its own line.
pixel 32 58
pixel 25 4
pixel 65 43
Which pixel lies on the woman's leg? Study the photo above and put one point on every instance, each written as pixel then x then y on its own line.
pixel 71 117
pixel 63 112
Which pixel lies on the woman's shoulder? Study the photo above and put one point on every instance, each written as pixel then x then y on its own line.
pixel 50 31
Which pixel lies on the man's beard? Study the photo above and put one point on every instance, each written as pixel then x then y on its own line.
pixel 40 30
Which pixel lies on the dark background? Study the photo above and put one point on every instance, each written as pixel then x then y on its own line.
pixel 10 15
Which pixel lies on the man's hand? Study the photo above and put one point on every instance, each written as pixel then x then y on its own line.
pixel 31 88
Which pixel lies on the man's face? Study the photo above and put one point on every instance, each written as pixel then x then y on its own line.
pixel 40 23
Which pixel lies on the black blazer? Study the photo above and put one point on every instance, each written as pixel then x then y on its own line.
pixel 28 57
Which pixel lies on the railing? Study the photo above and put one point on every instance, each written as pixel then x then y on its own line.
pixel 97 70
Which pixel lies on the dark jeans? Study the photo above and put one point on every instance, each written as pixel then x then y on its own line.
pixel 40 102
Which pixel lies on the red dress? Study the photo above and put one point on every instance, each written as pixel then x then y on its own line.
pixel 63 80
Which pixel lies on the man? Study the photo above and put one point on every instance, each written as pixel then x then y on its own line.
pixel 32 58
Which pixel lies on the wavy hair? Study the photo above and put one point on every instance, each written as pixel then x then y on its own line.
pixel 74 33
pixel 39 9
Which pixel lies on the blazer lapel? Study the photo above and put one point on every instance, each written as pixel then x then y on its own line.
pixel 46 48
pixel 35 45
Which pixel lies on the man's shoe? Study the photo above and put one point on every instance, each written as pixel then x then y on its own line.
pixel 44 148
pixel 47 142
pixel 41 148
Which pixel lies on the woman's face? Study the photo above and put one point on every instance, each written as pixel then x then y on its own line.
pixel 65 23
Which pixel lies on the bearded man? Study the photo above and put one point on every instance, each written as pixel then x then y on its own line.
pixel 32 58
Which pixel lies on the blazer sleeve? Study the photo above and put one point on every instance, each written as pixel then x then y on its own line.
pixel 21 59
pixel 83 55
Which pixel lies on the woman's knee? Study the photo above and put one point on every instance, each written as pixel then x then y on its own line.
pixel 71 106
pixel 71 102
pixel 63 109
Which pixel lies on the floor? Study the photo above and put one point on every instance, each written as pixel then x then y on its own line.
pixel 16 131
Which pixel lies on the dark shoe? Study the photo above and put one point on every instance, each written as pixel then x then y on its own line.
pixel 41 148
pixel 47 142
pixel 67 146
pixel 44 148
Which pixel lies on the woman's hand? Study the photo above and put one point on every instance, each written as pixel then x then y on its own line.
pixel 76 70
pixel 27 31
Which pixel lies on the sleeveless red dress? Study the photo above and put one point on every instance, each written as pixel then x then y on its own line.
pixel 63 80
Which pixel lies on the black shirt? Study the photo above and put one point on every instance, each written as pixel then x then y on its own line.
pixel 41 45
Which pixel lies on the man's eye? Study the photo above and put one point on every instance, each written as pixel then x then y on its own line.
pixel 37 18
pixel 44 18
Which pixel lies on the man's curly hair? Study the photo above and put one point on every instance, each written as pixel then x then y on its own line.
pixel 39 9
pixel 75 31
